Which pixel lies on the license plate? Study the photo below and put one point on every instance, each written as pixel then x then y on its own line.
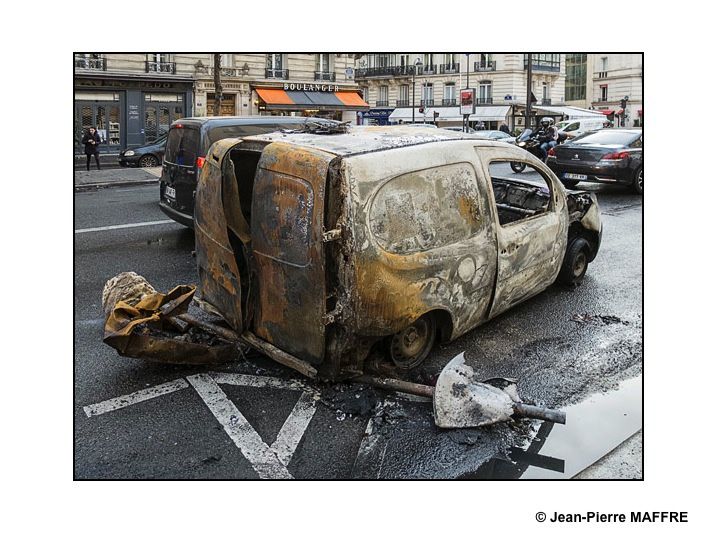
pixel 573 176
pixel 169 192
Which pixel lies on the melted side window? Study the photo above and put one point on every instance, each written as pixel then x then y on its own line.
pixel 516 200
pixel 426 209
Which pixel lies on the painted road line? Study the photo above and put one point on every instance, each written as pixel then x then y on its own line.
pixel 265 462
pixel 136 397
pixel 125 226
pixel 294 428
pixel 259 381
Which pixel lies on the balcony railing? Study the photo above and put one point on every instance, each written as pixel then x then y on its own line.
pixel 450 68
pixel 159 67
pixel 272 73
pixel 546 101
pixel 91 63
pixel 601 75
pixel 483 101
pixel 449 102
pixel 543 65
pixel 428 70
pixel 402 103
pixel 384 71
pixel 324 76
pixel 381 103
pixel 427 102
pixel 488 65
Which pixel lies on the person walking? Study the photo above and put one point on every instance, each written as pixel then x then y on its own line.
pixel 504 128
pixel 91 140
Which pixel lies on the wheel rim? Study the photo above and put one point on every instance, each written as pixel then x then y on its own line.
pixel 640 180
pixel 407 347
pixel 147 161
pixel 579 264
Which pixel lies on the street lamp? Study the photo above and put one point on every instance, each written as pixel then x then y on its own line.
pixel 418 63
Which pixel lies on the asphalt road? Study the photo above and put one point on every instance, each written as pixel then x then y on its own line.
pixel 575 349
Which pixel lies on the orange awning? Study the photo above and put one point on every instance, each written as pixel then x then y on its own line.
pixel 274 96
pixel 351 98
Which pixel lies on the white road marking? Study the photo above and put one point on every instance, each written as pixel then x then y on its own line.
pixel 136 397
pixel 125 226
pixel 259 381
pixel 294 428
pixel 265 461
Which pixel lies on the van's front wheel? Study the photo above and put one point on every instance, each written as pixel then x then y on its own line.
pixel 411 346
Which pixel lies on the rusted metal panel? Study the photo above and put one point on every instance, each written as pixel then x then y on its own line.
pixel 287 243
pixel 220 283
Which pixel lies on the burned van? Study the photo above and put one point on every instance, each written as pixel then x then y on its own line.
pixel 317 248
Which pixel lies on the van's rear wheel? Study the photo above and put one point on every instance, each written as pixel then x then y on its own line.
pixel 411 346
pixel 575 263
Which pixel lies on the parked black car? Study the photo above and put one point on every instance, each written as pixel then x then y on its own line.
pixel 188 142
pixel 612 156
pixel 149 155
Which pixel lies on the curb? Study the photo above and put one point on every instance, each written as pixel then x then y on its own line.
pixel 103 185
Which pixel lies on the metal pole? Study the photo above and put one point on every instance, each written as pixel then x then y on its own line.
pixel 413 103
pixel 466 117
pixel 528 101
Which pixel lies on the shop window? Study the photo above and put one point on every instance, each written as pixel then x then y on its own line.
pixel 113 138
pixel 406 216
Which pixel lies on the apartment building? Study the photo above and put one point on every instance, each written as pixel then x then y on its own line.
pixel 602 81
pixel 133 98
pixel 499 80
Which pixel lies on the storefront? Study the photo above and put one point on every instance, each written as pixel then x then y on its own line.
pixel 376 117
pixel 300 99
pixel 128 111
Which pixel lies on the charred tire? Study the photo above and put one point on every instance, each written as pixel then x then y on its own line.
pixel 148 161
pixel 575 263
pixel 638 181
pixel 517 166
pixel 570 183
pixel 410 347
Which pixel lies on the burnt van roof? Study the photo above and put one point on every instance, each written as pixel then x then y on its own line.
pixel 363 139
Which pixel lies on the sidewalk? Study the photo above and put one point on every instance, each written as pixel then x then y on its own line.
pixel 94 179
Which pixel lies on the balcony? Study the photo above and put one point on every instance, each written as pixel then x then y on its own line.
pixel 427 102
pixel 159 67
pixel 272 73
pixel 402 103
pixel 450 68
pixel 324 76
pixel 487 65
pixel 381 103
pixel 98 64
pixel 449 102
pixel 543 65
pixel 483 101
pixel 384 71
pixel 600 75
pixel 427 70
pixel 545 101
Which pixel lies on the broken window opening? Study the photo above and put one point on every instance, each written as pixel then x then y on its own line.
pixel 516 200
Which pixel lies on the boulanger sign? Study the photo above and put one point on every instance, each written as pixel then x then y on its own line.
pixel 312 87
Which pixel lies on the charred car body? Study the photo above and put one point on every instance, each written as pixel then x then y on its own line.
pixel 317 248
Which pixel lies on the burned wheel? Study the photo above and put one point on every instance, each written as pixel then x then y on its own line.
pixel 148 161
pixel 411 346
pixel 575 263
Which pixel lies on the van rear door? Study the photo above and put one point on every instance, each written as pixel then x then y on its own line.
pixel 180 166
pixel 288 210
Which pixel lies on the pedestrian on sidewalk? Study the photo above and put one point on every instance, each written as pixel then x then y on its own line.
pixel 91 140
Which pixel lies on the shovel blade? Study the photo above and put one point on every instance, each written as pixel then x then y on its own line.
pixel 460 401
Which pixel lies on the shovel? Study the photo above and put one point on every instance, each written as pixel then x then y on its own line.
pixel 461 401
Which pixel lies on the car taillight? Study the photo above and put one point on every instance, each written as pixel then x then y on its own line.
pixel 551 152
pixel 200 161
pixel 615 156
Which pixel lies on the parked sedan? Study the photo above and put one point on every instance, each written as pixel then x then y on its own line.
pixel 149 155
pixel 612 156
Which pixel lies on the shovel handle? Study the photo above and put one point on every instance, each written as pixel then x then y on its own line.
pixel 397 385
pixel 541 413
